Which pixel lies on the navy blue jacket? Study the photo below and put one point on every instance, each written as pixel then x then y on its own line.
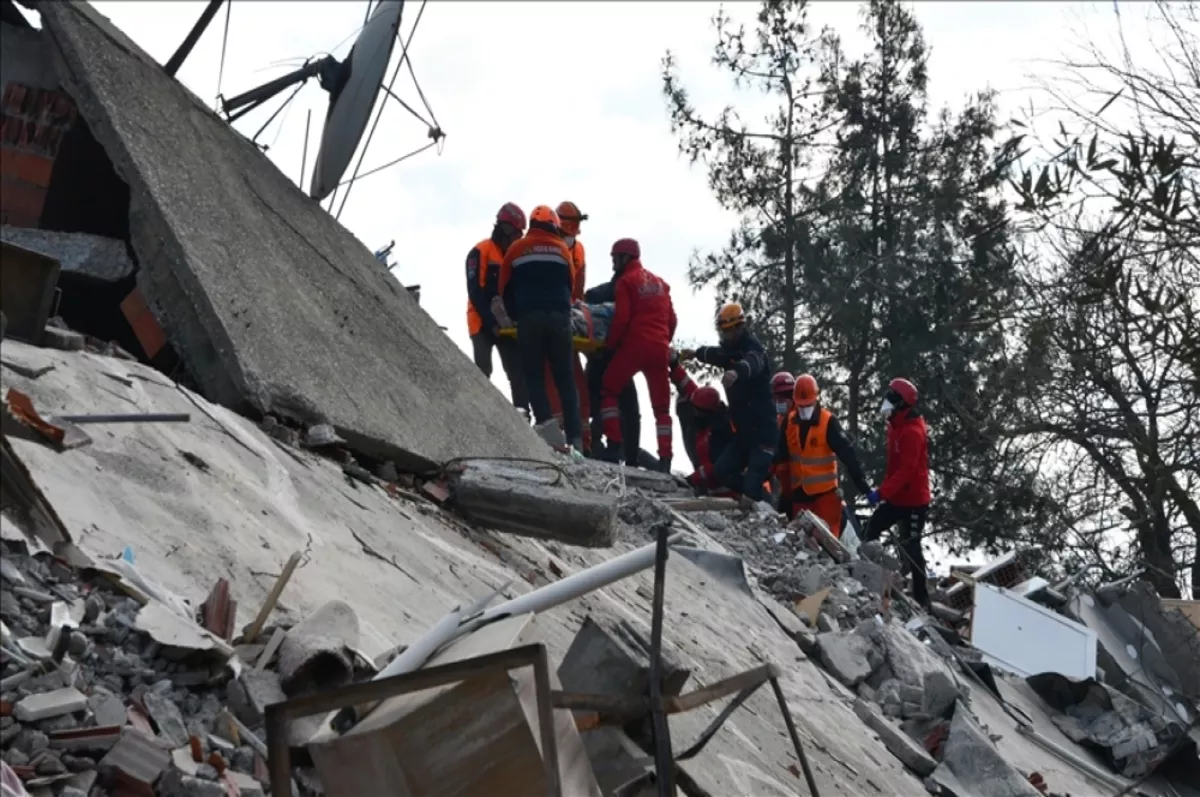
pixel 751 406
pixel 536 275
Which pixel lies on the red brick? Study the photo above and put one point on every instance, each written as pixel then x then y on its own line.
pixel 8 161
pixel 17 197
pixel 14 97
pixel 34 169
pixel 145 326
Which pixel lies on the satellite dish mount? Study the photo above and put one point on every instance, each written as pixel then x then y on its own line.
pixel 330 73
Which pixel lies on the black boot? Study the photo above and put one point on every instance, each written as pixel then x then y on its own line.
pixel 610 452
pixel 664 464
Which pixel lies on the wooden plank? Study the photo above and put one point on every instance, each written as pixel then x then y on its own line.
pixel 268 606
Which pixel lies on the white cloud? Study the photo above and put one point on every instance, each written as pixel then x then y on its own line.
pixel 543 102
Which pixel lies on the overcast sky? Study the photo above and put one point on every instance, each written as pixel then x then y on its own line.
pixel 494 72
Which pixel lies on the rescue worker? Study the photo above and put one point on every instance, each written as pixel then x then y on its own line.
pixel 483 280
pixel 639 336
pixel 569 217
pixel 783 385
pixel 535 283
pixel 811 442
pixel 903 497
pixel 627 401
pixel 707 431
pixel 744 464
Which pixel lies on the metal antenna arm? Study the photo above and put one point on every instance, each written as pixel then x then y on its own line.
pixel 256 97
pixel 176 61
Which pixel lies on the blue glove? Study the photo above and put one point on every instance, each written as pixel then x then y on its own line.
pixel 873 497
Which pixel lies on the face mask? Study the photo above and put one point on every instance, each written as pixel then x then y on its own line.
pixel 887 409
pixel 569 240
pixel 805 413
pixel 781 407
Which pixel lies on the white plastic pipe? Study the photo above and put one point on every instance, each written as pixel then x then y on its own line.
pixel 416 654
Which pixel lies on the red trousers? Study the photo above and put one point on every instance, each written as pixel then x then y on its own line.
pixel 628 361
pixel 585 410
pixel 827 506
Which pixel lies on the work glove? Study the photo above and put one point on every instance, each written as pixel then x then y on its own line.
pixel 686 354
pixel 873 497
pixel 729 378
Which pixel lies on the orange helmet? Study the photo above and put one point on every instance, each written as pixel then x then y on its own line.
pixel 512 214
pixel 731 316
pixel 807 392
pixel 569 217
pixel 543 216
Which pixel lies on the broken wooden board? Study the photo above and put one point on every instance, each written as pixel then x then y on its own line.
pixel 475 738
pixel 535 510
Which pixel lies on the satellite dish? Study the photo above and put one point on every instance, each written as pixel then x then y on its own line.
pixel 351 103
pixel 352 85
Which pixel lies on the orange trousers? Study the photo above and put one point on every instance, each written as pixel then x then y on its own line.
pixel 827 506
pixel 585 409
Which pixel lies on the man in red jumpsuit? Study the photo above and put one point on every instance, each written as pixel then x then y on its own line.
pixel 712 432
pixel 903 498
pixel 639 337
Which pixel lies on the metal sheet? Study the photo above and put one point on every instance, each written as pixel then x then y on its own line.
pixel 1022 637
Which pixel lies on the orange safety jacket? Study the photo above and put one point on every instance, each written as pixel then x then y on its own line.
pixel 578 270
pixel 812 463
pixel 483 282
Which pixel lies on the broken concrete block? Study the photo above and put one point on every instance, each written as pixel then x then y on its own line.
pixel 516 507
pixel 910 753
pixel 63 339
pixel 50 704
pixel 107 708
pixel 613 657
pixel 850 657
pixel 252 692
pixel 136 761
pixel 93 256
pixel 475 738
pixel 939 694
pixel 976 762
pixel 314 654
pixel 166 716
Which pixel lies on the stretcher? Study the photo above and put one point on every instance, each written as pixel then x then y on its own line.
pixel 583 344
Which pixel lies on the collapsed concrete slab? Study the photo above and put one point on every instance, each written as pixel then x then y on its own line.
pixel 269 301
pixel 78 253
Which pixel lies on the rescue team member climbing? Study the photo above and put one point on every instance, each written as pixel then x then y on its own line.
pixel 904 496
pixel 707 433
pixel 483 280
pixel 783 385
pixel 627 401
pixel 811 442
pixel 535 283
pixel 569 218
pixel 639 336
pixel 746 461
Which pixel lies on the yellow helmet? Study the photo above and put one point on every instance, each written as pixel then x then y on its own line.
pixel 730 316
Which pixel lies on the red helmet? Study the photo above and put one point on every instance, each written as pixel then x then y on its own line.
pixel 627 246
pixel 807 391
pixel 707 399
pixel 782 385
pixel 904 390
pixel 512 214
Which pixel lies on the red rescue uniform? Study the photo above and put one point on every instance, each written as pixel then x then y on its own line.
pixel 639 336
pixel 906 476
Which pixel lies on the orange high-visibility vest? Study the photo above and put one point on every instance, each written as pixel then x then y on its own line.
pixel 490 258
pixel 812 463
pixel 578 270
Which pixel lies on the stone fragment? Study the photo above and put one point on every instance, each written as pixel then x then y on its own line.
pixel 940 694
pixel 976 762
pixel 63 339
pixel 910 753
pixel 166 716
pixel 50 704
pixel 314 654
pixel 252 692
pixel 849 657
pixel 107 708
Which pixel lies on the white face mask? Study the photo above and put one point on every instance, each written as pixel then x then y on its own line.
pixel 887 409
pixel 569 240
pixel 781 407
pixel 805 413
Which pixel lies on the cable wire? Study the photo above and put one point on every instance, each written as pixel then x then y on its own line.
pixel 379 113
pixel 387 165
pixel 224 48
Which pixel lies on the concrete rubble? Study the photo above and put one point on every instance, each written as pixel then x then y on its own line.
pixel 873 686
pixel 92 256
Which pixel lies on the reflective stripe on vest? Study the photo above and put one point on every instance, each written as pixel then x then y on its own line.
pixel 812 463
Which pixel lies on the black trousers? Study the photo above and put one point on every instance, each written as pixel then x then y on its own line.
pixel 544 338
pixel 627 403
pixel 911 522
pixel 510 360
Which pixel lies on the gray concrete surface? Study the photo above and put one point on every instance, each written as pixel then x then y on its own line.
pixel 23 59
pixel 89 255
pixel 270 302
pixel 254 502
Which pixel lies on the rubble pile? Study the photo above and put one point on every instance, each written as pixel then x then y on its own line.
pixel 96 697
